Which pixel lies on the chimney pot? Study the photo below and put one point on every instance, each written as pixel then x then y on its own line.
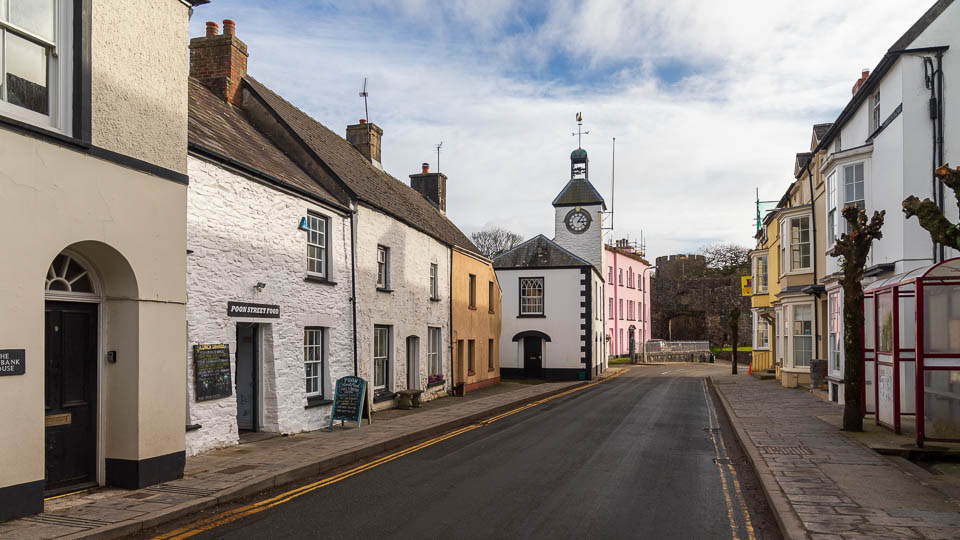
pixel 220 64
pixel 363 120
pixel 212 28
pixel 229 27
pixel 425 167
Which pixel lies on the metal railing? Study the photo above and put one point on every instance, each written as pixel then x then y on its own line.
pixel 676 346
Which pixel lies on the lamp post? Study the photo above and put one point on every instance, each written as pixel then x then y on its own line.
pixel 643 319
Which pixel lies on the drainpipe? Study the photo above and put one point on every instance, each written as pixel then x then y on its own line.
pixel 353 284
pixel 453 374
pixel 813 253
pixel 939 121
pixel 616 307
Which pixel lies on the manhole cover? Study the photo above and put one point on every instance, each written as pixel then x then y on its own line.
pixel 785 450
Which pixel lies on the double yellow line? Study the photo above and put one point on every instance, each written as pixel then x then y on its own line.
pixel 230 516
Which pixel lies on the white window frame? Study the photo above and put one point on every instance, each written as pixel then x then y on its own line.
pixel 434 350
pixel 796 246
pixel 434 285
pixel 797 338
pixel 381 357
pixel 612 311
pixel 532 304
pixel 784 244
pixel 832 211
pixel 383 267
pixel 780 335
pixel 59 72
pixel 835 330
pixel 620 309
pixel 318 227
pixel 314 356
pixel 761 273
pixel 875 119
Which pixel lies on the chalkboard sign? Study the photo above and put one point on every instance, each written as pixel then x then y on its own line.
pixel 350 400
pixel 211 371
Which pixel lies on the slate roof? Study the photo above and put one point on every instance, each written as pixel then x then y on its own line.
pixel 819 130
pixel 635 256
pixel 803 159
pixel 579 192
pixel 217 126
pixel 538 252
pixel 368 183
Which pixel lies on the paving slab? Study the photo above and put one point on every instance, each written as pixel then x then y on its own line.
pixel 228 474
pixel 823 483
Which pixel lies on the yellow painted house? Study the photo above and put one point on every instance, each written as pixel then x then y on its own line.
pixel 762 259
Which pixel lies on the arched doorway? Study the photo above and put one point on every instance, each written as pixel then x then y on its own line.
pixel 73 295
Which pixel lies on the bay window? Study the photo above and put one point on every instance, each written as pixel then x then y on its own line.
pixel 835 331
pixel 847 190
pixel 802 335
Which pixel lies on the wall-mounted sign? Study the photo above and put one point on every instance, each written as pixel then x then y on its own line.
pixel 746 285
pixel 246 309
pixel 211 371
pixel 350 400
pixel 13 362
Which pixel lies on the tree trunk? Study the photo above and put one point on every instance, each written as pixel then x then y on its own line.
pixel 853 356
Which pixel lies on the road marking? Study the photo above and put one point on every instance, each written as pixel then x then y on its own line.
pixel 230 516
pixel 721 453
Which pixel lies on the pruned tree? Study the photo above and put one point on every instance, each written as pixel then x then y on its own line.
pixel 726 258
pixel 734 322
pixel 931 218
pixel 853 247
pixel 495 241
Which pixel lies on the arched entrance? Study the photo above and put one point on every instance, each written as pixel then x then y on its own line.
pixel 73 295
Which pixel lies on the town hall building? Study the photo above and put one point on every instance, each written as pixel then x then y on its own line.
pixel 553 290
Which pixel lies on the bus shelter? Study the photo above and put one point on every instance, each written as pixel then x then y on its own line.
pixel 912 350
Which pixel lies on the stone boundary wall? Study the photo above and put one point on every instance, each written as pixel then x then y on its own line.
pixel 702 356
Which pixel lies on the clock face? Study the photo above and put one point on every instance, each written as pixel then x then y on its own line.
pixel 578 221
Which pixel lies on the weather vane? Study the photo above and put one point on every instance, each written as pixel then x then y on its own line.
pixel 580 133
pixel 364 94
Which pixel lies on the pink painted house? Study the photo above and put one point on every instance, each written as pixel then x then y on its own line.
pixel 628 298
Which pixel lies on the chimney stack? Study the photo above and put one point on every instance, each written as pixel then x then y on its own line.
pixel 219 61
pixel 433 187
pixel 863 78
pixel 366 137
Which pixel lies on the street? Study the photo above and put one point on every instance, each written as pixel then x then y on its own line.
pixel 638 456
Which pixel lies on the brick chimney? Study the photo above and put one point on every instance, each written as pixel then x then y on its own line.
pixel 433 187
pixel 365 137
pixel 863 78
pixel 219 61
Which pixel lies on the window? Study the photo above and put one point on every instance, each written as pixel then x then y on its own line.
pixel 875 116
pixel 473 291
pixel 802 336
pixel 620 309
pixel 761 336
pixel 799 243
pixel 851 194
pixel 610 274
pixel 316 245
pixel 490 298
pixel 383 267
pixel 629 278
pixel 784 268
pixel 760 274
pixel 531 296
pixel 834 330
pixel 470 357
pixel 34 61
pixel 832 210
pixel 434 286
pixel 313 360
pixel 780 334
pixel 381 357
pixel 620 350
pixel 836 144
pixel 490 354
pixel 610 311
pixel 620 277
pixel 434 351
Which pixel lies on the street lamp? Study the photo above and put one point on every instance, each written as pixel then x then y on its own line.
pixel 643 318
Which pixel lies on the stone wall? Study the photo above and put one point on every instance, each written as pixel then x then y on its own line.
pixel 691 302
pixel 241 232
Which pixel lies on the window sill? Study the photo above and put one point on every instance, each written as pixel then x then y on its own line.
pixel 318 279
pixel 384 290
pixel 434 299
pixel 316 401
pixel 383 395
pixel 541 316
pixel 436 383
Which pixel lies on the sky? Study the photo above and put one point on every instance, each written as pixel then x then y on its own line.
pixel 708 100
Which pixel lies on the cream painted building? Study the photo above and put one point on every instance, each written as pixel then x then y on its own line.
pixel 93 163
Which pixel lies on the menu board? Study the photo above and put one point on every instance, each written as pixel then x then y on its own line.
pixel 211 371
pixel 350 400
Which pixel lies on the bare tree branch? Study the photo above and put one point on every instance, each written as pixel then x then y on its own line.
pixel 495 241
pixel 726 258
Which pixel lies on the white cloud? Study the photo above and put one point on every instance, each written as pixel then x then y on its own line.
pixel 476 75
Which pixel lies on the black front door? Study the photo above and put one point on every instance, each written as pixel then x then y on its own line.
pixel 70 395
pixel 532 357
pixel 247 377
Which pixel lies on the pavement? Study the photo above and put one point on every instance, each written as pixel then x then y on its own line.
pixel 637 456
pixel 825 484
pixel 222 476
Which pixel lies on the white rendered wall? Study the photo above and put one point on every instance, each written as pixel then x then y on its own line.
pixel 587 245
pixel 242 232
pixel 408 309
pixel 562 299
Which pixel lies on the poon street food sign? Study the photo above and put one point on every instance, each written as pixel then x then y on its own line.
pixel 246 309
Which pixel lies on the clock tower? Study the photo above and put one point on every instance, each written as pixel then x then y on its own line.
pixel 578 217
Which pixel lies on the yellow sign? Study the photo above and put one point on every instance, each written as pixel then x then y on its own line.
pixel 746 286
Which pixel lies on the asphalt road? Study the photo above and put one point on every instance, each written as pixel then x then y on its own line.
pixel 633 457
